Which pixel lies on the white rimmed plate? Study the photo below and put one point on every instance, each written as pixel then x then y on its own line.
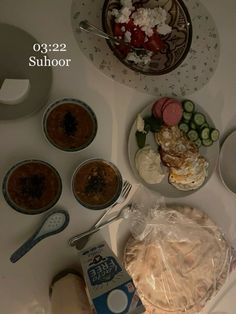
pixel 15 50
pixel 165 188
pixel 227 167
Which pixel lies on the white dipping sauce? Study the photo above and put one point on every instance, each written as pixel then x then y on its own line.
pixel 148 164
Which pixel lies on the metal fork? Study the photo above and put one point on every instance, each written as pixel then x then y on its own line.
pixel 80 242
pixel 124 194
pixel 123 213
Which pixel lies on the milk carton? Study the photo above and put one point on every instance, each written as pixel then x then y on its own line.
pixel 110 288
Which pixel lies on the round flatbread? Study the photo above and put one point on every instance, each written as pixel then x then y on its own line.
pixel 178 266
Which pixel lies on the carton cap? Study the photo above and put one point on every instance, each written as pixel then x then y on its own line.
pixel 117 301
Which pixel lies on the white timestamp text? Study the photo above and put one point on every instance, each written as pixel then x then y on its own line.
pixel 46 62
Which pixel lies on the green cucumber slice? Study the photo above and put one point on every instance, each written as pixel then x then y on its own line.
pixel 188 106
pixel 184 127
pixel 198 142
pixel 207 142
pixel 193 135
pixel 199 118
pixel 215 135
pixel 193 125
pixel 204 125
pixel 187 116
pixel 205 133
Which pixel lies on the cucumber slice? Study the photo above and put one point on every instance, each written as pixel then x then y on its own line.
pixel 205 133
pixel 207 142
pixel 199 118
pixel 204 125
pixel 141 139
pixel 187 115
pixel 192 135
pixel 188 106
pixel 198 142
pixel 185 121
pixel 184 127
pixel 215 134
pixel 193 125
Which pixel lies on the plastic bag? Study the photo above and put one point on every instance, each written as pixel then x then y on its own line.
pixel 177 256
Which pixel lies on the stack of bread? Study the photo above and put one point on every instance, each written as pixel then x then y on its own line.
pixel 180 264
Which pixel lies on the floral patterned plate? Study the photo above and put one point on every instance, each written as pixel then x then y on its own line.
pixel 176 44
pixel 195 71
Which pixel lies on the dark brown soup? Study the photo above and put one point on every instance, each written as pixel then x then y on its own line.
pixel 70 126
pixel 33 186
pixel 96 183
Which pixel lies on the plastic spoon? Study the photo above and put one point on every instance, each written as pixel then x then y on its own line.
pixel 54 223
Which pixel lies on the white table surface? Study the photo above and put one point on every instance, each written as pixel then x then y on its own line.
pixel 24 286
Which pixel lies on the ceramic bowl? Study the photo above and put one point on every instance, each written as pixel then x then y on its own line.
pixel 227 168
pixel 96 183
pixel 70 124
pixel 176 44
pixel 32 186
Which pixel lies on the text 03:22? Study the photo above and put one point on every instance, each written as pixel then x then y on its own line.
pixel 45 61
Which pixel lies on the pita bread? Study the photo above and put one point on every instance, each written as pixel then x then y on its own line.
pixel 178 269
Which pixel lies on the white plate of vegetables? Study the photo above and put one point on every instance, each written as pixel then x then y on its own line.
pixel 194 123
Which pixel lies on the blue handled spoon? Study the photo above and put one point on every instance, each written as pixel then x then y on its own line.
pixel 53 223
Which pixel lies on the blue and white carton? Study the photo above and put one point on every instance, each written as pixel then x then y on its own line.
pixel 109 286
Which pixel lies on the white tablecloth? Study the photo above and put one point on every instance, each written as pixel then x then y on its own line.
pixel 24 286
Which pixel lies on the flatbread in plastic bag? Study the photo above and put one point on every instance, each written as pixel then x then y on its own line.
pixel 178 261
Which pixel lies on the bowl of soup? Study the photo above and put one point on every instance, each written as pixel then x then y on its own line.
pixel 70 124
pixel 96 183
pixel 32 186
